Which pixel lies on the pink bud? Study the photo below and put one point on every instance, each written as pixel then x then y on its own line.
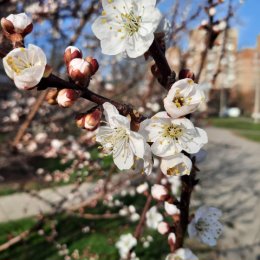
pixel 171 209
pixel 17 24
pixel 79 70
pixel 163 228
pixel 172 240
pixel 67 97
pixel 159 192
pixel 71 53
pixel 89 121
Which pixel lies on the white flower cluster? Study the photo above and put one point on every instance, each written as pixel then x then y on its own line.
pixel 125 243
pixel 168 131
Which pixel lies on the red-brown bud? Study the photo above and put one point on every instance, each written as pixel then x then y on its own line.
pixel 18 24
pixel 71 53
pixel 186 73
pixel 94 64
pixel 7 26
pixel 80 70
pixel 67 97
pixel 89 121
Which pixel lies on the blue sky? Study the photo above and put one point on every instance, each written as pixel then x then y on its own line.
pixel 249 23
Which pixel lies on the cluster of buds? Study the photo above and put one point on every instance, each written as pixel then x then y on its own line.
pixel 67 97
pixel 161 193
pixel 89 121
pixel 80 70
pixel 16 27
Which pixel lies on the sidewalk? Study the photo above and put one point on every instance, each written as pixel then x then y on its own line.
pixel 230 180
pixel 22 205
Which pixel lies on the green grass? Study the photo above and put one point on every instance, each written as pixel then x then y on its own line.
pixel 242 126
pixel 99 241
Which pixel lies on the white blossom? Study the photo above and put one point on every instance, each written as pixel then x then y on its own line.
pixel 171 209
pixel 176 165
pixel 205 225
pixel 127 26
pixel 182 254
pixel 19 21
pixel 163 228
pixel 171 136
pixel 117 139
pixel 125 243
pixel 159 192
pixel 184 98
pixel 153 218
pixel 25 66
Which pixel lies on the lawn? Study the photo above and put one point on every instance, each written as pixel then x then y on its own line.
pixel 241 126
pixel 98 242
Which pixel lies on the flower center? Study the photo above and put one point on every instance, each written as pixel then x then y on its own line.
pixel 111 139
pixel 132 22
pixel 179 101
pixel 173 131
pixel 177 170
pixel 201 225
pixel 17 64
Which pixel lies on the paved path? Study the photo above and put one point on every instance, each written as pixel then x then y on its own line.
pixel 21 205
pixel 230 180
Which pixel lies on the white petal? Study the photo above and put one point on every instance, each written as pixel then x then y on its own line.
pixel 150 20
pixel 113 117
pixel 137 45
pixel 29 78
pixel 137 144
pixel 36 55
pixel 146 3
pixel 164 148
pixel 123 155
pixel 113 46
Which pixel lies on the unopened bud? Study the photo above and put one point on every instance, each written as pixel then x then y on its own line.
pixel 67 97
pixel 94 64
pixel 186 73
pixel 163 228
pixel 142 188
pixel 159 192
pixel 89 121
pixel 171 209
pixel 212 11
pixel 51 96
pixel 71 53
pixel 172 241
pixel 17 24
pixel 79 70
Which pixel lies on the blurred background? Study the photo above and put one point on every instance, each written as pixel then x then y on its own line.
pixel 60 198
